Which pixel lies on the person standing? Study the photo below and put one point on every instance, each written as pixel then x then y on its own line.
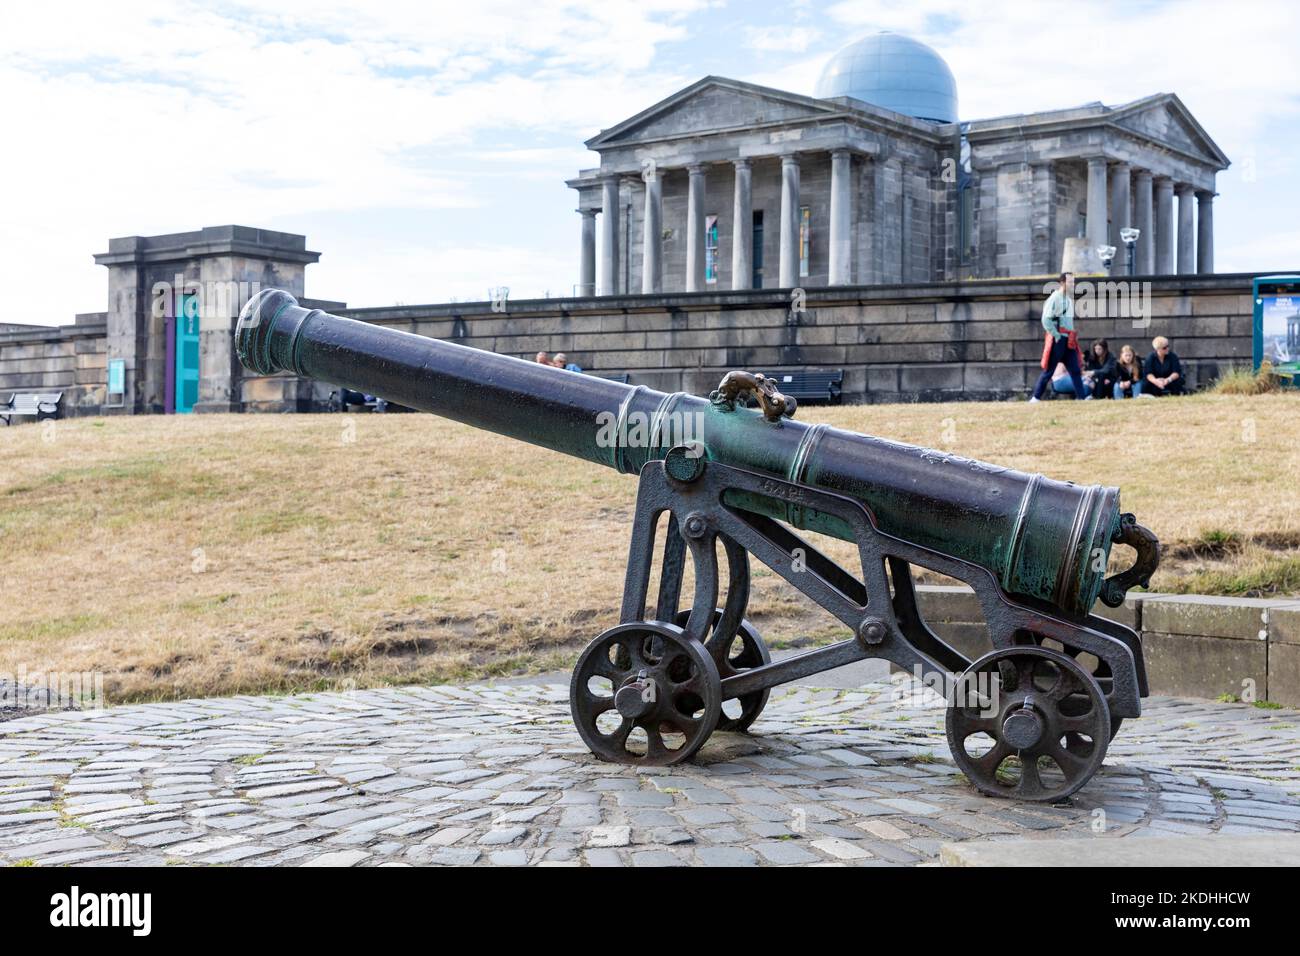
pixel 1061 341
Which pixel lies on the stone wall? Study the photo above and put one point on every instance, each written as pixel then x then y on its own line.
pixel 68 359
pixel 925 342
pixel 1195 646
pixel 941 341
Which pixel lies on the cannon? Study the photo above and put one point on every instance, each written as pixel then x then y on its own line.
pixel 736 473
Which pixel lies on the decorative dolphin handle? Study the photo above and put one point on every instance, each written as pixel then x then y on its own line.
pixel 775 406
pixel 1147 546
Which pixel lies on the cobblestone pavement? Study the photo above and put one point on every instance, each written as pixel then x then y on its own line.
pixel 496 775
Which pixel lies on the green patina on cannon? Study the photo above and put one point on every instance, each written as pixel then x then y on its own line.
pixel 1031 718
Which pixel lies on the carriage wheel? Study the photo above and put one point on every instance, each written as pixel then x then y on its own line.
pixel 746 649
pixel 642 693
pixel 1028 722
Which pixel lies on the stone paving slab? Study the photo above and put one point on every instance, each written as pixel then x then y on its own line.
pixel 496 775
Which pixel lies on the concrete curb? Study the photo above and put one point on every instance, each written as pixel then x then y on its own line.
pixel 1196 645
pixel 1181 851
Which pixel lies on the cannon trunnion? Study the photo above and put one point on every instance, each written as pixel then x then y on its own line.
pixel 1031 718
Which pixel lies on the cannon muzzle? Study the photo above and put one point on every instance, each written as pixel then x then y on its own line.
pixel 1044 540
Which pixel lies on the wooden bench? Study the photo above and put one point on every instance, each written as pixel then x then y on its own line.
pixel 38 405
pixel 810 386
pixel 612 376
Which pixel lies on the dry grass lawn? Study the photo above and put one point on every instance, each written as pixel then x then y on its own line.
pixel 233 554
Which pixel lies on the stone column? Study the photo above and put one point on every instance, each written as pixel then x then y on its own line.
pixel 1146 246
pixel 1164 226
pixel 653 236
pixel 742 228
pixel 587 261
pixel 1186 253
pixel 788 276
pixel 1204 232
pixel 1044 251
pixel 841 242
pixel 695 229
pixel 608 275
pixel 1096 202
pixel 1120 179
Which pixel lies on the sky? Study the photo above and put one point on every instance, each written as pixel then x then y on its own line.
pixel 422 147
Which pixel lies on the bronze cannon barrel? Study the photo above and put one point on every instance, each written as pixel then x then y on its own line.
pixel 1042 539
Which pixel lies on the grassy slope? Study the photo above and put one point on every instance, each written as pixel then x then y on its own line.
pixel 202 555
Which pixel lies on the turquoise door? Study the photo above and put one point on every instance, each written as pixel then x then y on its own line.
pixel 187 354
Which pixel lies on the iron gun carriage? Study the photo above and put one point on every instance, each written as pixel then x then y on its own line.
pixel 1030 718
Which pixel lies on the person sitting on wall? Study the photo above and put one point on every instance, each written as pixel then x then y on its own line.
pixel 1100 370
pixel 562 361
pixel 1128 374
pixel 1164 373
pixel 1060 342
pixel 543 359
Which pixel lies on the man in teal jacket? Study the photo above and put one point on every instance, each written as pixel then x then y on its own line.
pixel 1058 322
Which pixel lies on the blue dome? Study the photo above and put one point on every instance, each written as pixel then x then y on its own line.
pixel 895 72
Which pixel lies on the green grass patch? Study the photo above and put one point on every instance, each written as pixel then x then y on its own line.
pixel 52 628
pixel 1265 577
pixel 1219 539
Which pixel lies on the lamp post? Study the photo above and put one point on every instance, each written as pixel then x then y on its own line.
pixel 1107 254
pixel 1129 235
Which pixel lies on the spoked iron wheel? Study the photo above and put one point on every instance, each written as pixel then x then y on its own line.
pixel 744 650
pixel 643 693
pixel 1100 672
pixel 1028 722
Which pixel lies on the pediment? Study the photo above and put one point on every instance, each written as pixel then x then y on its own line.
pixel 713 103
pixel 1165 120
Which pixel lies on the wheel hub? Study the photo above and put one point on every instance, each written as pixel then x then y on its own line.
pixel 637 697
pixel 1023 728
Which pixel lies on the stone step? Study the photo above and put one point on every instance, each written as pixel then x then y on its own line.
pixel 1183 851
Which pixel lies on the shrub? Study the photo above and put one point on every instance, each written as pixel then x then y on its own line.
pixel 1246 381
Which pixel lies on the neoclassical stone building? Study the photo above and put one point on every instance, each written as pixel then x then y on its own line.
pixel 729 185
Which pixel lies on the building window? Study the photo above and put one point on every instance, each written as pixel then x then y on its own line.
pixel 805 239
pixel 758 249
pixel 711 249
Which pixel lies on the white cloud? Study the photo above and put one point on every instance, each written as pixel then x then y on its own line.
pixel 137 119
pixel 781 38
pixel 134 118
